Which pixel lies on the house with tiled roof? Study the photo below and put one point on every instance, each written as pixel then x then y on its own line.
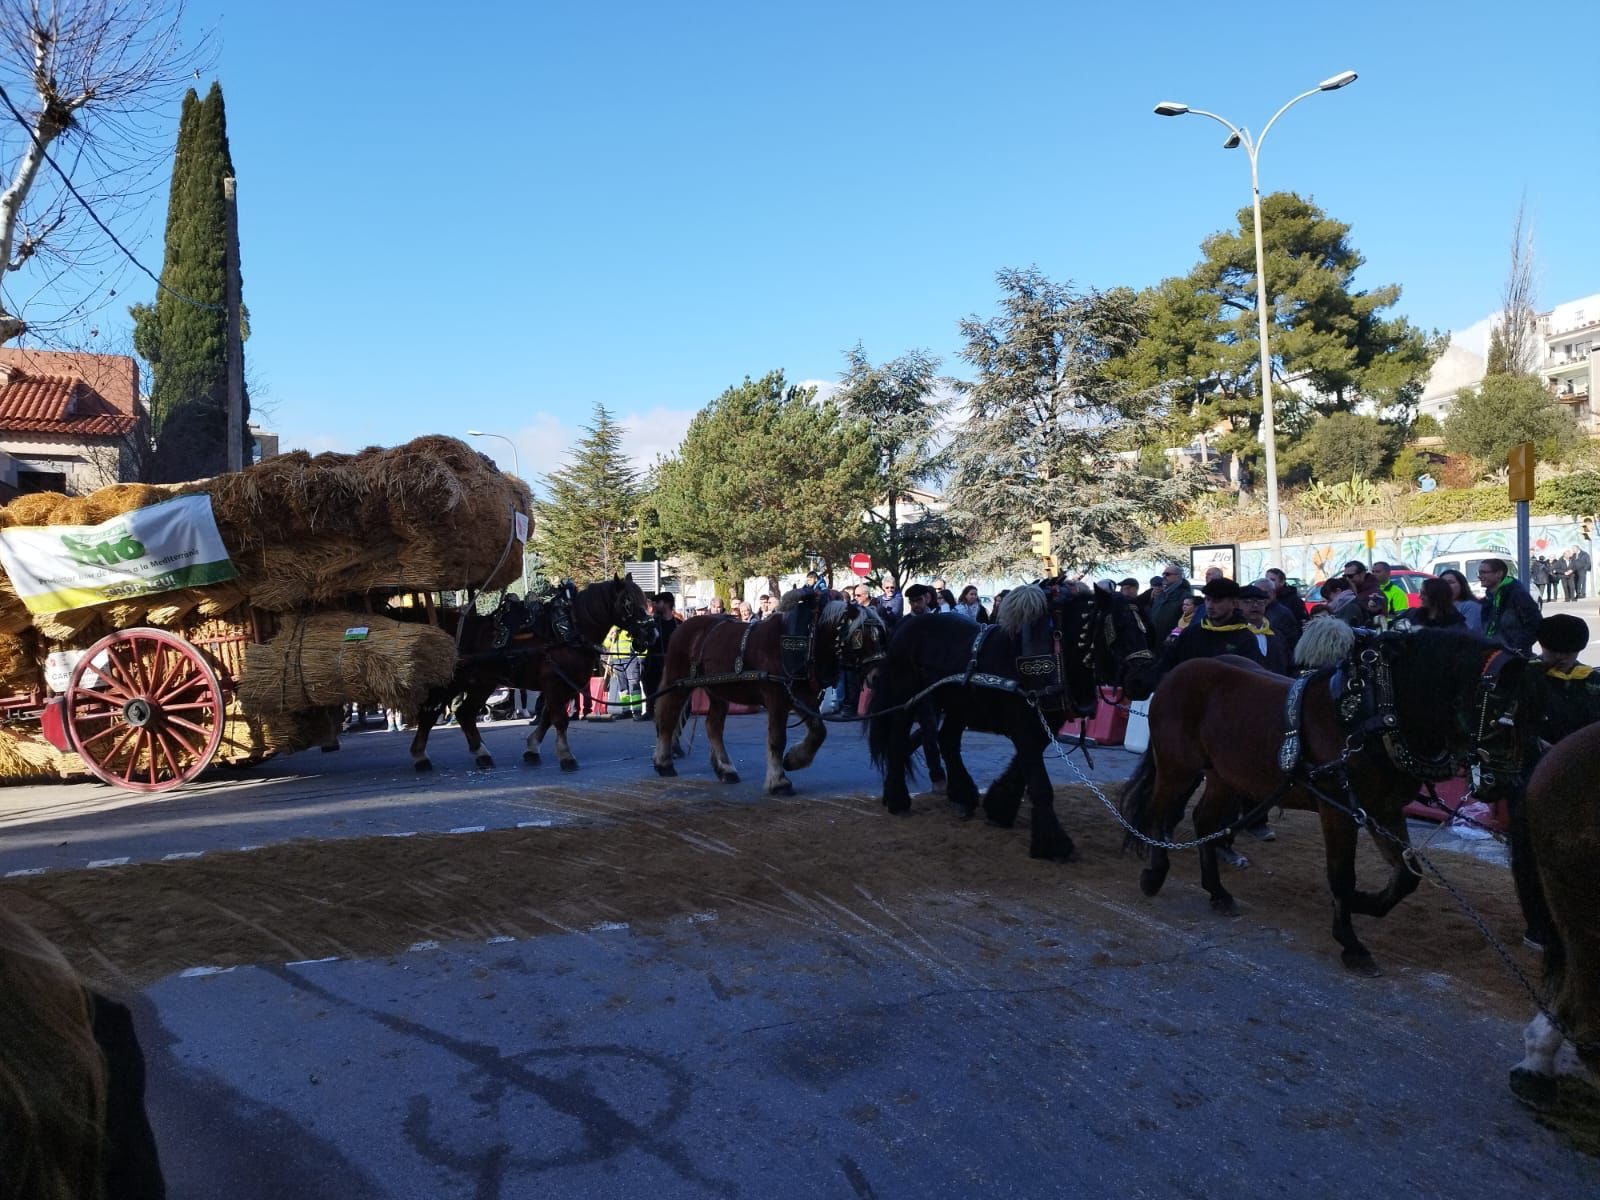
pixel 69 422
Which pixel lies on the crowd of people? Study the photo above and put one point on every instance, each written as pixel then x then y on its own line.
pixel 1567 573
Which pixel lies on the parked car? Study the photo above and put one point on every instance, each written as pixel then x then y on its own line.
pixel 1469 567
pixel 1410 580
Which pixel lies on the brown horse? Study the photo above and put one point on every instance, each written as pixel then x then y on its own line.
pixel 1450 697
pixel 560 671
pixel 744 664
pixel 1555 848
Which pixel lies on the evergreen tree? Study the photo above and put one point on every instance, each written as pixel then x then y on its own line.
pixel 766 478
pixel 587 527
pixel 896 404
pixel 185 345
pixel 1504 410
pixel 1043 422
pixel 1201 341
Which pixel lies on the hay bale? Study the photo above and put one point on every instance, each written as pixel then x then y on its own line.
pixel 25 756
pixel 80 626
pixel 309 664
pixel 20 669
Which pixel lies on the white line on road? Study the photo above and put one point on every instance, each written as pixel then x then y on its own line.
pixel 307 962
pixel 468 829
pixel 177 854
pixel 25 871
pixel 108 862
pixel 430 944
pixel 198 972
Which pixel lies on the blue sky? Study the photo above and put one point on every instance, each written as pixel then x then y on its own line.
pixel 494 215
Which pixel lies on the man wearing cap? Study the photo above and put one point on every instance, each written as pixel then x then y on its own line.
pixel 1276 647
pixel 1572 690
pixel 1221 631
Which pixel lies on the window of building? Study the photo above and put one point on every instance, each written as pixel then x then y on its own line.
pixel 41 481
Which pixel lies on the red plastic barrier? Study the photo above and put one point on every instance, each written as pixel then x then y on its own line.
pixel 700 705
pixel 864 702
pixel 1109 724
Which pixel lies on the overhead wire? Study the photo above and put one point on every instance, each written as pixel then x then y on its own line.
pixel 95 217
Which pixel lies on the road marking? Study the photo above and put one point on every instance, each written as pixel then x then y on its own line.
pixel 25 871
pixel 700 918
pixel 542 824
pixel 177 854
pixel 468 829
pixel 198 972
pixel 108 862
pixel 608 926
pixel 307 962
pixel 502 940
pixel 430 944
pixel 409 833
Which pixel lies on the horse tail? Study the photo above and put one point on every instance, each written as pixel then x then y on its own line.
pixel 1134 802
pixel 878 728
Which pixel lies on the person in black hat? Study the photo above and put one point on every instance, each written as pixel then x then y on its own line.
pixel 1221 631
pixel 1277 648
pixel 1572 690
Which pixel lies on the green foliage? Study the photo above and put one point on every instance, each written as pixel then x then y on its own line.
pixel 765 478
pixel 1191 531
pixel 1345 445
pixel 1448 506
pixel 1201 341
pixel 186 346
pixel 1576 495
pixel 1488 420
pixel 1409 464
pixel 1040 439
pixel 1329 498
pixel 587 528
pixel 1426 425
pixel 896 406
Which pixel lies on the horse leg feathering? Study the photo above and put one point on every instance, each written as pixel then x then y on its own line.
pixel 777 783
pixel 716 720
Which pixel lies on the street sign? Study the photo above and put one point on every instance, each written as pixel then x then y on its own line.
pixel 861 564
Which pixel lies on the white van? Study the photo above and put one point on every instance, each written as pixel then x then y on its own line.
pixel 1469 566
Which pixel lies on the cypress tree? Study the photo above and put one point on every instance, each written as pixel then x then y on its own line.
pixel 185 345
pixel 589 523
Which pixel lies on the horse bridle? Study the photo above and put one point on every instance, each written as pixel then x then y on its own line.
pixel 852 636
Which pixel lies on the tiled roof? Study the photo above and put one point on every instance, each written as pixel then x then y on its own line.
pixel 67 394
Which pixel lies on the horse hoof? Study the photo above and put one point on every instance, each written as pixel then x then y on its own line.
pixel 1225 906
pixel 666 770
pixel 1361 963
pixel 1052 849
pixel 781 789
pixel 569 764
pixel 1233 858
pixel 728 776
pixel 483 762
pixel 937 787
pixel 1533 1089
pixel 529 757
pixel 1150 881
pixel 423 766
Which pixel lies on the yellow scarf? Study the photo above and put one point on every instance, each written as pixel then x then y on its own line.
pixel 1264 630
pixel 1206 624
pixel 1578 672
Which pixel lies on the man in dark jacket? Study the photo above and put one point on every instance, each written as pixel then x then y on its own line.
pixel 1275 644
pixel 1510 615
pixel 1580 572
pixel 1287 595
pixel 1221 631
pixel 655 655
pixel 1167 607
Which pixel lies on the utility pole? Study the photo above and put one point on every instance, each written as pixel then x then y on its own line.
pixel 235 459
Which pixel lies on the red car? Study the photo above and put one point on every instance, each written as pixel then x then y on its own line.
pixel 1410 580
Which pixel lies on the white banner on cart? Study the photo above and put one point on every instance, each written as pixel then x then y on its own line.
pixel 160 548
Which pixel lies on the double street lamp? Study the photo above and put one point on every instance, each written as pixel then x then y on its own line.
pixel 1240 136
pixel 516 469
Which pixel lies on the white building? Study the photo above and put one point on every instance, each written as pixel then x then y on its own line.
pixel 1567 335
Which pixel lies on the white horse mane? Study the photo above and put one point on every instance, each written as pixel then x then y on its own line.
pixel 1022 608
pixel 1325 641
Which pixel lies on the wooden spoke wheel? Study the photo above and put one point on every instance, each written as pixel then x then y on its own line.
pixel 144 710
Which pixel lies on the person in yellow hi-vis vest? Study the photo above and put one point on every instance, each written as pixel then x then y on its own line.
pixel 623 692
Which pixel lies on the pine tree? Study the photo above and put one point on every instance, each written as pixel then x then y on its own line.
pixel 585 529
pixel 185 345
pixel 1043 421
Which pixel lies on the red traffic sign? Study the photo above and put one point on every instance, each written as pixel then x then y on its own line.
pixel 861 564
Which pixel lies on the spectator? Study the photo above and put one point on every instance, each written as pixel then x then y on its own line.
pixel 714 608
pixel 971 605
pixel 1359 578
pixel 1130 589
pixel 1539 579
pixel 764 605
pixel 1343 603
pixel 1279 617
pixel 1277 651
pixel 994 609
pixel 742 610
pixel 1510 615
pixel 72 1111
pixel 1164 612
pixel 1437 611
pixel 947 600
pixel 655 655
pixel 1466 603
pixel 1394 595
pixel 1562 569
pixel 1222 630
pixel 1286 594
pixel 1580 572
pixel 1215 573
pixel 1185 616
pixel 891 605
pixel 1572 690
pixel 922 599
pixel 849 689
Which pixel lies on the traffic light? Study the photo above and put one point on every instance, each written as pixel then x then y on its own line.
pixel 1521 471
pixel 1588 529
pixel 1041 539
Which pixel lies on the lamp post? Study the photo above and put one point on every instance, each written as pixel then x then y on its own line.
pixel 516 469
pixel 1240 136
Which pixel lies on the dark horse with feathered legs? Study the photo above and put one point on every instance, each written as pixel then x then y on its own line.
pixel 1555 858
pixel 538 662
pixel 747 664
pixel 987 672
pixel 1403 708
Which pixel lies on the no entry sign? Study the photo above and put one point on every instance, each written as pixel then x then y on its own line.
pixel 861 564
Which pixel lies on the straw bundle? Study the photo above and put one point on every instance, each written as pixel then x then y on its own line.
pixel 309 664
pixel 19 662
pixel 25 757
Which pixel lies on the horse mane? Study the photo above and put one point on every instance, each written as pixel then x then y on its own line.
pixel 791 599
pixel 1324 642
pixel 1022 609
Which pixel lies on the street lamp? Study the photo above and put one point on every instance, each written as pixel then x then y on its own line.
pixel 1239 136
pixel 516 469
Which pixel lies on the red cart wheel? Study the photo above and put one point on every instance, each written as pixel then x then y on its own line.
pixel 144 710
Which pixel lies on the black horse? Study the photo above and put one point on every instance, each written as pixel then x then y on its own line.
pixel 991 671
